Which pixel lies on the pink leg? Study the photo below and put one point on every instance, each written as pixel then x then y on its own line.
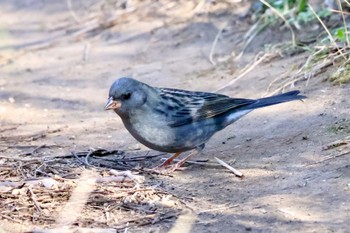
pixel 182 161
pixel 169 160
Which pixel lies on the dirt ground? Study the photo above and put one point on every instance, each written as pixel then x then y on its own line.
pixel 289 183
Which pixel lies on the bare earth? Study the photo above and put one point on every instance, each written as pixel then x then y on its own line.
pixel 287 187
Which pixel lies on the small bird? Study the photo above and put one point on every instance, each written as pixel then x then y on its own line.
pixel 175 121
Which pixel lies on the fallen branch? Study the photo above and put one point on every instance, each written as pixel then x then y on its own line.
pixel 236 172
pixel 336 144
pixel 33 151
pixel 33 198
pixel 331 157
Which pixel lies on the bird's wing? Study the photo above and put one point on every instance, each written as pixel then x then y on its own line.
pixel 183 107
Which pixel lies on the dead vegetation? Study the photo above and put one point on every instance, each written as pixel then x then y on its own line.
pixel 41 191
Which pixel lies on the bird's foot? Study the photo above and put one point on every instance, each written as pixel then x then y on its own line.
pixel 168 161
pixel 167 169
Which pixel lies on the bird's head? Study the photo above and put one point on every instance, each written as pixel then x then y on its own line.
pixel 125 95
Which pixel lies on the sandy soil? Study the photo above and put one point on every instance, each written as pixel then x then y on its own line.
pixel 285 189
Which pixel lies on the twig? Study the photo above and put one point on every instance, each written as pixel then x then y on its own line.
pixel 251 34
pixel 316 70
pixel 326 29
pixel 33 151
pixel 329 158
pixel 97 153
pixel 33 197
pixel 153 171
pixel 245 71
pixel 11 219
pixel 11 184
pixel 77 157
pixel 236 172
pixel 138 158
pixel 212 49
pixel 30 146
pixel 126 228
pixel 19 168
pixel 342 12
pixel 344 22
pixel 284 19
pixel 336 156
pixel 71 11
pixel 87 157
pixel 336 144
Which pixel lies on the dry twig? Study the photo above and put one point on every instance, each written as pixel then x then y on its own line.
pixel 259 59
pixel 330 158
pixel 283 18
pixel 33 198
pixel 336 144
pixel 212 49
pixel 236 172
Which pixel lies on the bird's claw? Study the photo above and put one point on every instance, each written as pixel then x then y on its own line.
pixel 168 168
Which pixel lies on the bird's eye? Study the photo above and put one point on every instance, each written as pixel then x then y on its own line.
pixel 126 96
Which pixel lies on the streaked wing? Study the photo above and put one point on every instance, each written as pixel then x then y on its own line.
pixel 183 107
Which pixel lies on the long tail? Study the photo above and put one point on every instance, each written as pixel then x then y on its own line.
pixel 277 99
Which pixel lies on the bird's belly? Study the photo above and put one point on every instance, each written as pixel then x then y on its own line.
pixel 164 138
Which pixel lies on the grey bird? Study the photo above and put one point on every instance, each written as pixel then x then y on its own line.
pixel 175 121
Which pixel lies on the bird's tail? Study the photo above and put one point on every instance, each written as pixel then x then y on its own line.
pixel 277 99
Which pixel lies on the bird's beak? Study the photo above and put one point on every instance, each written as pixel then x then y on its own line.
pixel 112 104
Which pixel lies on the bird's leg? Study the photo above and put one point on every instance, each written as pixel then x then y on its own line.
pixel 169 160
pixel 182 161
pixel 178 165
